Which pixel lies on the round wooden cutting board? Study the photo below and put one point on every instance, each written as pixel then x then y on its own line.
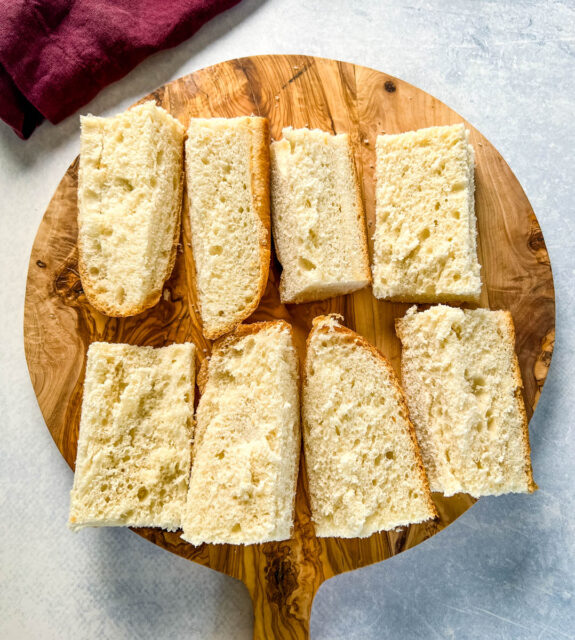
pixel 59 324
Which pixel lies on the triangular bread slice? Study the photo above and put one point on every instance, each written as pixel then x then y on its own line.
pixel 130 185
pixel 227 173
pixel 247 443
pixel 425 227
pixel 134 447
pixel 317 214
pixel 363 464
pixel 463 386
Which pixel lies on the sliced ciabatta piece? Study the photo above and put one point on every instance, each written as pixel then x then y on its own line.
pixel 227 172
pixel 363 465
pixel 317 214
pixel 134 447
pixel 247 443
pixel 129 203
pixel 425 232
pixel 463 385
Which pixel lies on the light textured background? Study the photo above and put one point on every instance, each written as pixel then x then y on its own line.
pixel 503 570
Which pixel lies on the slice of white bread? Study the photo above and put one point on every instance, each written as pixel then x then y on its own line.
pixel 425 247
pixel 463 385
pixel 227 173
pixel 247 444
pixel 129 204
pixel 364 469
pixel 134 446
pixel 317 215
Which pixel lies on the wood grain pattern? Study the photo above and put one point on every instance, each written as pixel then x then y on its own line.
pixel 283 578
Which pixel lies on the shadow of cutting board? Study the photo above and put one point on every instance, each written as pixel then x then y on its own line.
pixel 59 324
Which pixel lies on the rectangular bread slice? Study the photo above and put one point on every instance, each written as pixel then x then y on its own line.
pixel 134 447
pixel 463 386
pixel 247 444
pixel 364 469
pixel 425 233
pixel 227 172
pixel 317 215
pixel 129 204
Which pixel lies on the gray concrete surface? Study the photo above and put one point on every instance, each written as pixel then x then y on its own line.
pixel 506 568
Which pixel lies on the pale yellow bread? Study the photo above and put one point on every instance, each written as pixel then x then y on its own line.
pixel 130 185
pixel 134 446
pixel 464 390
pixel 425 247
pixel 317 215
pixel 363 464
pixel 227 173
pixel 247 444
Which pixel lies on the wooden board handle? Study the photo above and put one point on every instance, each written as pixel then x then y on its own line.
pixel 280 611
pixel 282 589
pixel 283 577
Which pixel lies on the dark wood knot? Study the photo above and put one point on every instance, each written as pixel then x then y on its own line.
pixel 541 366
pixel 281 576
pixel 389 86
pixel 536 243
pixel 157 96
pixel 67 283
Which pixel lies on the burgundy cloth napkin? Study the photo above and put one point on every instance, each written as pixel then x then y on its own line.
pixel 56 55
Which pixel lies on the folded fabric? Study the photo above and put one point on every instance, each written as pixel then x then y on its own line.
pixel 56 55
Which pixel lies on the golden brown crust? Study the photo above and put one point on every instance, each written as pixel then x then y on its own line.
pixel 260 192
pixel 531 485
pixel 360 341
pixel 203 375
pixel 243 330
pixel 260 184
pixel 101 303
pixel 178 225
pixel 361 221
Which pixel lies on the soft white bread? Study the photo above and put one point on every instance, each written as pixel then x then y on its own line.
pixel 129 203
pixel 364 469
pixel 463 385
pixel 247 444
pixel 317 215
pixel 227 172
pixel 425 236
pixel 134 447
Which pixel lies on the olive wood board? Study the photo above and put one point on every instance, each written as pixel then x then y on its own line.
pixel 299 91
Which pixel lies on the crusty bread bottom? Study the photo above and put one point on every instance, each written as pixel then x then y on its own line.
pixel 364 468
pixel 134 447
pixel 130 186
pixel 247 443
pixel 463 385
pixel 227 169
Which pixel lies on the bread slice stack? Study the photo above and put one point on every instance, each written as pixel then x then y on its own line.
pixel 425 236
pixel 463 386
pixel 129 203
pixel 247 443
pixel 364 469
pixel 227 173
pixel 134 447
pixel 317 214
